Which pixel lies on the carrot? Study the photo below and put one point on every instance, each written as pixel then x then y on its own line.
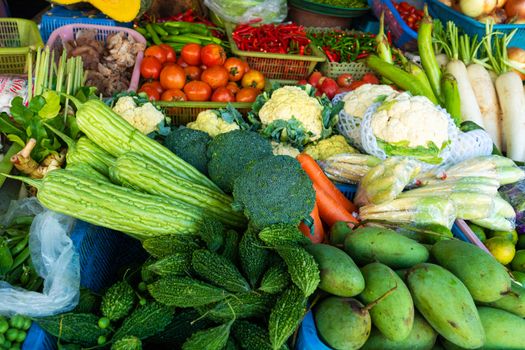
pixel 317 234
pixel 318 177
pixel 330 210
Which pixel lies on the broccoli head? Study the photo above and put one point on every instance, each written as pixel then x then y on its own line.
pixel 190 145
pixel 229 153
pixel 274 190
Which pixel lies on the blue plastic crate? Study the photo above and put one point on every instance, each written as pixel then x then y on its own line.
pixel 60 16
pixel 404 37
pixel 473 27
pixel 103 253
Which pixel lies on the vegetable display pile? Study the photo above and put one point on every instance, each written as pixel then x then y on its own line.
pixel 13 331
pixel 343 46
pixel 282 38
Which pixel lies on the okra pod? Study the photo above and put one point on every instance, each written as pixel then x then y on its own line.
pixel 20 246
pixel 401 78
pixel 153 34
pixel 428 57
pixel 451 98
pixel 160 31
pixel 143 31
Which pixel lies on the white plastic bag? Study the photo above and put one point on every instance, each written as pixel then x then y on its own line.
pixel 54 258
pixel 243 11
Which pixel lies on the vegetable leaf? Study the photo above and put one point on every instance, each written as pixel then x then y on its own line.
pixel 429 154
pixel 16 139
pixel 51 108
pixel 291 131
pixel 8 127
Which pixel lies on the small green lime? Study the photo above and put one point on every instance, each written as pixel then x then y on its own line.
pixel 502 249
pixel 4 325
pixel 11 334
pixel 17 321
pixel 142 286
pixel 510 235
pixel 21 336
pixel 102 340
pixel 479 232
pixel 2 339
pixel 519 276
pixel 27 324
pixel 103 322
pixel 7 344
pixel 518 263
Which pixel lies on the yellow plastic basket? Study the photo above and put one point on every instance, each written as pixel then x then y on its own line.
pixel 182 113
pixel 17 37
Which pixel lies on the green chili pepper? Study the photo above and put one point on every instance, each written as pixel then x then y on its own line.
pixel 181 39
pixel 23 220
pixel 6 258
pixel 21 257
pixel 20 246
pixel 153 34
pixel 428 57
pixel 26 272
pixel 172 31
pixel 142 31
pixel 205 38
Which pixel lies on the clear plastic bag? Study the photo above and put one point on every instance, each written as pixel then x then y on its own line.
pixel 54 258
pixel 243 11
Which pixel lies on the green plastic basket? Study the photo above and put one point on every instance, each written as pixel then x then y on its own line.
pixel 17 37
pixel 335 69
pixel 278 66
pixel 182 112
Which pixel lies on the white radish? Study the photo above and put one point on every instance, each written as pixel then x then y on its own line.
pixel 442 60
pixel 487 100
pixel 469 105
pixel 512 101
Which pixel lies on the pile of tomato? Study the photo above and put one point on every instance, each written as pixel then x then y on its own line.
pixel 201 73
pixel 411 15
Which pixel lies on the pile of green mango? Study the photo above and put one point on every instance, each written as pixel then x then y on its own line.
pixel 385 291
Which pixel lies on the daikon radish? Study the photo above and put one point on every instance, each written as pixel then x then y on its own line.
pixel 442 60
pixel 469 105
pixel 512 101
pixel 487 99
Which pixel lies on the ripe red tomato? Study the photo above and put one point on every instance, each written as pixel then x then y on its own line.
pixel 314 78
pixel 235 68
pixel 233 87
pixel 247 94
pixel 191 54
pixel 150 68
pixel 254 79
pixel 197 91
pixel 370 78
pixel 154 84
pixel 157 52
pixel 216 76
pixel 222 94
pixel 193 72
pixel 344 80
pixel 173 95
pixel 213 55
pixel 153 94
pixel 172 77
pixel 171 56
pixel 357 84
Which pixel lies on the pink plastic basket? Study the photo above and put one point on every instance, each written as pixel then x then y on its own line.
pixel 68 32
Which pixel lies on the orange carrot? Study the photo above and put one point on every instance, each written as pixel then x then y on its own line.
pixel 331 211
pixel 318 177
pixel 317 236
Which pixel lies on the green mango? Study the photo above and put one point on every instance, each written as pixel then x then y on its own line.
pixel 393 315
pixel 421 337
pixel 342 323
pixel 513 302
pixel 338 232
pixel 504 331
pixel 370 244
pixel 446 304
pixel 485 278
pixel 339 274
pixel 519 276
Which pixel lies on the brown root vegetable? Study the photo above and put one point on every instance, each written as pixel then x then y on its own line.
pixel 27 165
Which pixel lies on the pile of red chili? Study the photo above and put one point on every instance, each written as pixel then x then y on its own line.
pixel 282 38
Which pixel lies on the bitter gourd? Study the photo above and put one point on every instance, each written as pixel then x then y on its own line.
pixel 279 235
pixel 87 152
pixel 212 232
pixel 210 339
pixel 286 316
pixel 275 279
pixel 118 301
pixel 302 268
pixel 163 246
pixel 73 328
pixel 176 264
pixel 145 321
pixel 185 292
pixel 181 327
pixel 127 343
pixel 242 305
pixel 218 270
pixel 252 256
pixel 252 336
pixel 85 169
pixel 231 245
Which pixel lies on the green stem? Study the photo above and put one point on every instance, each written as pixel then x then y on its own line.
pixel 68 140
pixel 428 57
pixel 5 164
pixel 31 182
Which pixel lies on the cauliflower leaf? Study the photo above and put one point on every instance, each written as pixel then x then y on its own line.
pixel 428 154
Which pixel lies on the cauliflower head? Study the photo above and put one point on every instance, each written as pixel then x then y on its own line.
pixel 283 149
pixel 145 118
pixel 210 122
pixel 329 147
pixel 411 126
pixel 293 102
pixel 357 101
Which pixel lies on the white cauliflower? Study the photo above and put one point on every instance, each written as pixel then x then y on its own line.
pixel 358 100
pixel 209 122
pixel 283 149
pixel 145 118
pixel 293 102
pixel 411 121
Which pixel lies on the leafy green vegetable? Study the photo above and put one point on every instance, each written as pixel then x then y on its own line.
pixel 429 154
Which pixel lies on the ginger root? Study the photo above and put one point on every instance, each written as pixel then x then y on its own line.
pixel 27 165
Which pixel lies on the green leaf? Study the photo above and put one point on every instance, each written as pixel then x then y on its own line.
pixel 16 139
pixel 19 112
pixel 8 127
pixel 72 127
pixel 86 93
pixel 291 131
pixel 429 154
pixel 37 103
pixel 51 107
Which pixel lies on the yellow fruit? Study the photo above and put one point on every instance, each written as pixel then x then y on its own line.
pixel 478 231
pixel 518 263
pixel 510 235
pixel 502 249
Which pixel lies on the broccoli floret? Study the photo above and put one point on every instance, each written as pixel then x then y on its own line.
pixel 229 153
pixel 190 145
pixel 274 190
